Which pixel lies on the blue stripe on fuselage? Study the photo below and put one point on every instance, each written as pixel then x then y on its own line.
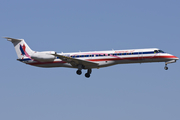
pixel 135 53
pixel 24 59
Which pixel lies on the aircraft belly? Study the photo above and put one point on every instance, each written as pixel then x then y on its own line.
pixel 56 65
pixel 48 65
pixel 128 61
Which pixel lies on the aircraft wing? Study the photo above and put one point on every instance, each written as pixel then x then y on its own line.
pixel 74 62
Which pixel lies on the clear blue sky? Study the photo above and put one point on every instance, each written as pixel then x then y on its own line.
pixel 121 92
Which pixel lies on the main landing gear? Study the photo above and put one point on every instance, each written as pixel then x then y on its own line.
pixel 88 73
pixel 79 72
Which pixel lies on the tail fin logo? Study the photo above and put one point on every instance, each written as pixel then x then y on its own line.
pixel 23 49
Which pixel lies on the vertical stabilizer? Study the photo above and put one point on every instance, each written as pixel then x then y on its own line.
pixel 22 49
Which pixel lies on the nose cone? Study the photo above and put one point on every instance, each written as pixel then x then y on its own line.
pixel 170 56
pixel 174 57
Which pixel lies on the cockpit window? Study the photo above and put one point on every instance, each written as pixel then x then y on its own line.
pixel 158 51
pixel 161 51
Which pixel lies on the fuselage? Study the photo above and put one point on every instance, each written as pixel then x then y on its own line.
pixel 107 58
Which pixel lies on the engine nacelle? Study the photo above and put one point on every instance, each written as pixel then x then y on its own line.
pixel 44 56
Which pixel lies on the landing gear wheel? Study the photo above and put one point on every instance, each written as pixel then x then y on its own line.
pixel 87 75
pixel 166 68
pixel 79 72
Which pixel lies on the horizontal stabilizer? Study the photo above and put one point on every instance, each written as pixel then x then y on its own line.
pixel 13 39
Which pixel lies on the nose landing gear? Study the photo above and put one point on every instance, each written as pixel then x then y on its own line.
pixel 166 68
pixel 168 62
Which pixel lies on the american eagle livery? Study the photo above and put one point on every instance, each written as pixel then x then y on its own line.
pixel 88 60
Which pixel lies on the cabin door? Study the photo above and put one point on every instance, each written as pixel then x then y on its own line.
pixel 140 55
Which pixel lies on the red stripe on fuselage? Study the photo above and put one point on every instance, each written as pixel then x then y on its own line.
pixel 109 59
pixel 133 58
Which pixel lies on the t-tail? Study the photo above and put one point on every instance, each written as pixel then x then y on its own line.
pixel 25 53
pixel 21 48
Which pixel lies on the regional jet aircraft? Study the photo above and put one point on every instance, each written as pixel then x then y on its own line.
pixel 88 60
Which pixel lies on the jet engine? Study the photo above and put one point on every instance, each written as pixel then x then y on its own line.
pixel 44 56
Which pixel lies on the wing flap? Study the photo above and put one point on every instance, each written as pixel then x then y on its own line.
pixel 75 62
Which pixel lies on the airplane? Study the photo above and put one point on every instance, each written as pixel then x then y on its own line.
pixel 88 60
